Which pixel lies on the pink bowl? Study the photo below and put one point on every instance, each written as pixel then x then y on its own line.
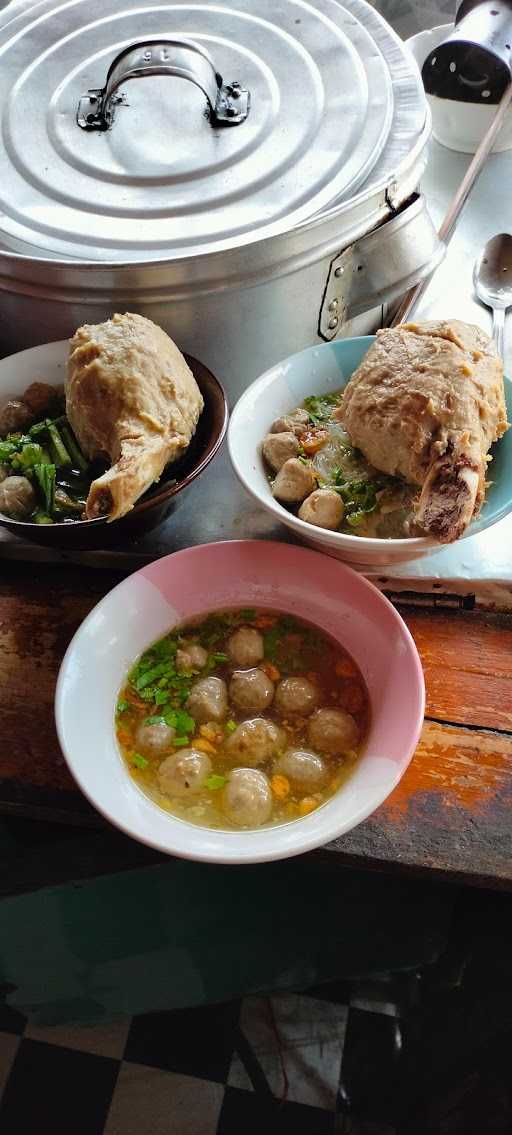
pixel 235 574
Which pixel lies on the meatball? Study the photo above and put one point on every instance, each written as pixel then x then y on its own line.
pixel 324 508
pixel 294 481
pixel 15 416
pixel 277 448
pixel 305 770
pixel 184 773
pixel 254 742
pixel 296 695
pixel 208 700
pixel 191 657
pixel 251 689
pixel 245 647
pixel 17 497
pixel 295 422
pixel 332 731
pixel 247 798
pixel 153 740
pixel 39 397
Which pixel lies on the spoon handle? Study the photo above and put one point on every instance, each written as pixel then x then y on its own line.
pixel 498 329
pixel 415 293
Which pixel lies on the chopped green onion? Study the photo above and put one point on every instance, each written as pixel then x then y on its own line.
pixel 230 726
pixel 184 723
pixel 215 781
pixel 7 450
pixel 356 518
pixel 42 518
pixel 139 762
pixel 31 454
pixel 122 706
pixel 179 742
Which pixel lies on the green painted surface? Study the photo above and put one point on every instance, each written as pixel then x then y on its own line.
pixel 179 934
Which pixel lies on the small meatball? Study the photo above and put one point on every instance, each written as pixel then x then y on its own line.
pixel 17 497
pixel 191 657
pixel 245 647
pixel 247 798
pixel 332 731
pixel 254 742
pixel 15 416
pixel 296 695
pixel 294 481
pixel 154 740
pixel 184 773
pixel 295 422
pixel 277 448
pixel 324 508
pixel 208 700
pixel 305 770
pixel 251 689
pixel 39 397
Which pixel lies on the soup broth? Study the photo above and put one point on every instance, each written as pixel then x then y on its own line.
pixel 242 719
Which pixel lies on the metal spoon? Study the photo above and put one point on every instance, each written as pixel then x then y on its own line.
pixel 492 279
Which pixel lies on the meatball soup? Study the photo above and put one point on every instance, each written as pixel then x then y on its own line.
pixel 242 719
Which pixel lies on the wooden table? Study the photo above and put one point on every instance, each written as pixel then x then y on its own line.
pixel 451 816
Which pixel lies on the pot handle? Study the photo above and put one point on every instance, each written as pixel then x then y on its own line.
pixel 379 267
pixel 228 102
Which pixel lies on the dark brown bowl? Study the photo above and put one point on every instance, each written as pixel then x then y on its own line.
pixel 160 501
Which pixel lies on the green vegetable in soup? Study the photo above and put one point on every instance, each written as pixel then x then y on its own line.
pixel 139 761
pixel 45 477
pixel 319 407
pixel 215 781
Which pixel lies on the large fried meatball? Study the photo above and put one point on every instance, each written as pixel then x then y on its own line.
pixel 254 742
pixel 245 647
pixel 208 700
pixel 247 798
pixel 296 695
pixel 332 731
pixel 251 689
pixel 184 773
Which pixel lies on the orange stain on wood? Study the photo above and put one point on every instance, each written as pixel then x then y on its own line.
pixel 465 769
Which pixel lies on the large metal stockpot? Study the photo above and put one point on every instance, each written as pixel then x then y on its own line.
pixel 257 196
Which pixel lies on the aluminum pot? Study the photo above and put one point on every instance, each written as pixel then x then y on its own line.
pixel 285 213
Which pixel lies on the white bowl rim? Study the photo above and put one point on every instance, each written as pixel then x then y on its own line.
pixel 302 843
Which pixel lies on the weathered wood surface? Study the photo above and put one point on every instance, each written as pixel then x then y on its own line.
pixel 452 813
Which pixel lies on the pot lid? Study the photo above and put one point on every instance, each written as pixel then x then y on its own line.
pixel 237 122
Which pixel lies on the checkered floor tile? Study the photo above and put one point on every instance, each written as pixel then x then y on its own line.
pixel 331 1061
pixel 274 1063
